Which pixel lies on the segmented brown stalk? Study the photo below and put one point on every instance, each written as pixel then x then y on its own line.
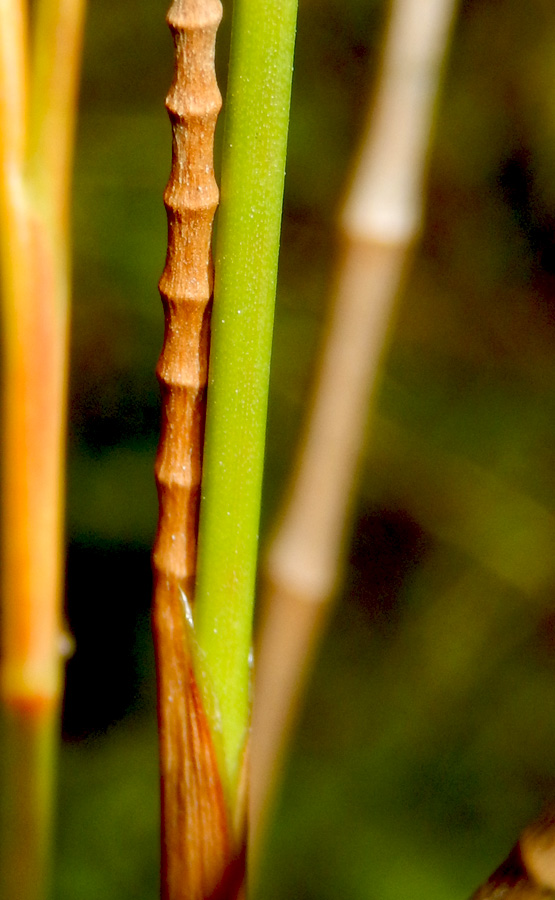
pixel 195 831
pixel 191 198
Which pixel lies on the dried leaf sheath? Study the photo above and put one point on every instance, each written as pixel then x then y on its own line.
pixel 195 833
pixel 196 848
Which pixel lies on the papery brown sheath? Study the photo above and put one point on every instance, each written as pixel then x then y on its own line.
pixel 196 836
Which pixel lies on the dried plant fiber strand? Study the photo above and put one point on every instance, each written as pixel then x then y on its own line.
pixel 196 845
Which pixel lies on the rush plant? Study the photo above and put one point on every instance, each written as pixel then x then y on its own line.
pixel 203 626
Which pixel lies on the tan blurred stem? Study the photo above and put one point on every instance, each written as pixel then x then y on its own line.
pixel 33 248
pixel 528 872
pixel 378 225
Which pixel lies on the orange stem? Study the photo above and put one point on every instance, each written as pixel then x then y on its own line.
pixel 35 288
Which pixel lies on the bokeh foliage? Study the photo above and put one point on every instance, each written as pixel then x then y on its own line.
pixel 427 739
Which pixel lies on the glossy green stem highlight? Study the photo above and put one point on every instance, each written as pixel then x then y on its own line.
pixel 253 167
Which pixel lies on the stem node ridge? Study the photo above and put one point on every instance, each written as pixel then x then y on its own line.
pixel 197 850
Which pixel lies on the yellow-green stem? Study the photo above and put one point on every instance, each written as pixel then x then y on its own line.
pixel 253 168
pixel 35 158
pixel 57 40
pixel 25 766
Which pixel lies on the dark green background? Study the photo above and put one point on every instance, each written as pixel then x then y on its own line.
pixel 429 731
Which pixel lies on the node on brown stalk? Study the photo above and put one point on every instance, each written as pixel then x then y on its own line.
pixel 197 846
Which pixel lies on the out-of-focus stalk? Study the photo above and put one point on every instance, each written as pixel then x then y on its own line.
pixel 379 223
pixel 528 872
pixel 36 109
pixel 56 60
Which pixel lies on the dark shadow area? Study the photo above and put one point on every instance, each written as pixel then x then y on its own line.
pixel 386 546
pixel 108 602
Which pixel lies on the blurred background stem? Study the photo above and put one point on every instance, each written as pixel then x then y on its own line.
pixel 379 224
pixel 36 112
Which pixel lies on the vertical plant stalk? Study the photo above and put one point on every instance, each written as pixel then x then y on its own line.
pixel 56 59
pixel 249 223
pixel 378 225
pixel 35 289
pixel 528 873
pixel 196 845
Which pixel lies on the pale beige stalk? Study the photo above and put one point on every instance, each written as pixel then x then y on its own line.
pixel 528 873
pixel 379 223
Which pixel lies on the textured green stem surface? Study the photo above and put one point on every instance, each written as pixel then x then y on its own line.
pixel 253 168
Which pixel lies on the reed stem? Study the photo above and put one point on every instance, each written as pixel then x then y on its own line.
pixel 35 289
pixel 56 57
pixel 253 168
pixel 197 851
pixel 379 223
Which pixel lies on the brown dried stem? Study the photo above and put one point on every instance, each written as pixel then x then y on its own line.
pixel 196 843
pixel 191 199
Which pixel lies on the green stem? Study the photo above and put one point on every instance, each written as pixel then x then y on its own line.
pixel 29 744
pixel 249 222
